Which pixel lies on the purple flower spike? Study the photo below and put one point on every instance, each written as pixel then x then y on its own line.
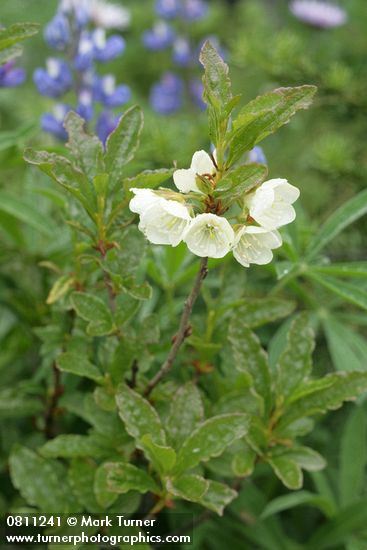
pixel 85 106
pixel 317 13
pixel 168 9
pixel 196 91
pixel 107 49
pixel 257 155
pixel 166 95
pixel 106 124
pixel 160 37
pixel 11 76
pixel 106 91
pixel 194 9
pixel 79 9
pixel 182 55
pixel 54 81
pixel 57 33
pixel 53 123
pixel 84 58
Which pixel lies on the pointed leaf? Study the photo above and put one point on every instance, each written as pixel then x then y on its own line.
pixel 162 457
pixel 93 309
pixel 289 473
pixel 87 149
pixel 295 363
pixel 123 142
pixel 79 365
pixel 139 416
pixel 210 439
pixel 122 478
pixel 186 413
pixel 348 291
pixel 240 181
pixel 343 216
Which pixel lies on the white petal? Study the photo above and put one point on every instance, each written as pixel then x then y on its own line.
pixel 278 215
pixel 165 222
pixel 287 192
pixel 253 245
pixel 185 180
pixel 202 163
pixel 144 198
pixel 260 201
pixel 209 235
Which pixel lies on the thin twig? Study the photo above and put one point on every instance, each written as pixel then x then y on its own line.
pixel 51 411
pixel 183 329
pixel 134 374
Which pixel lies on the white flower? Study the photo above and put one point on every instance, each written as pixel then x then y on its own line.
pixel 209 235
pixel 164 222
pixel 109 16
pixel 185 180
pixel 144 198
pixel 271 204
pixel 318 13
pixel 253 245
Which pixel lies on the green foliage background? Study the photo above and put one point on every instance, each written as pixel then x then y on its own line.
pixel 322 152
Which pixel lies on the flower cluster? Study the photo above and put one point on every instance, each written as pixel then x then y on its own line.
pixel 167 95
pixel 10 75
pixel 167 217
pixel 79 32
pixel 318 13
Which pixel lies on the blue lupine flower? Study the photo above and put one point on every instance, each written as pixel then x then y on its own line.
pixel 106 49
pixel 85 54
pixel 168 8
pixel 196 91
pixel 78 9
pixel 166 95
pixel 106 91
pixel 182 54
pixel 55 80
pixel 57 33
pixel 85 105
pixel 194 9
pixel 53 123
pixel 106 124
pixel 257 155
pixel 159 37
pixel 11 76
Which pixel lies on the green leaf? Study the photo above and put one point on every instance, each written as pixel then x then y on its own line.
pixel 264 115
pixel 348 291
pixel 353 457
pixel 345 269
pixel 26 211
pixel 288 471
pixel 17 32
pixel 93 309
pixel 343 216
pixel 250 357
pixel 79 365
pixel 122 478
pixel 217 497
pixel 81 478
pixel 216 80
pixel 336 532
pixel 186 412
pixel 139 416
pixel 41 482
pixel 123 142
pixel 236 183
pixel 162 457
pixel 149 178
pixel 60 287
pixel 260 311
pixel 188 486
pixel 334 390
pixel 65 174
pixel 295 363
pixel 300 498
pixel 86 149
pixel 243 464
pixel 347 348
pixel 72 446
pixel 210 439
pixel 306 458
pixel 15 404
pixel 104 496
